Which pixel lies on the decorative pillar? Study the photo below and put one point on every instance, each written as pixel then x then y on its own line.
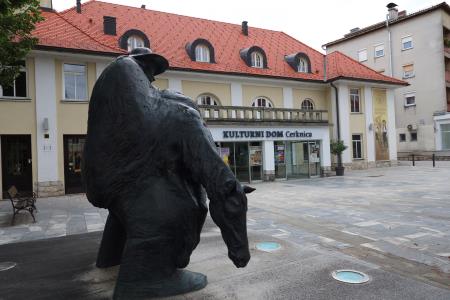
pixel 175 85
pixel 344 118
pixel 288 98
pixel 236 94
pixel 48 183
pixel 370 129
pixel 392 132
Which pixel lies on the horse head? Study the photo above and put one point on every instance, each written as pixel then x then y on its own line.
pixel 231 217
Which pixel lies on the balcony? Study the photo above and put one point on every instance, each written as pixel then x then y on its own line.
pixel 242 114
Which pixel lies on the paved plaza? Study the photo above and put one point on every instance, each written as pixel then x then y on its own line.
pixel 392 223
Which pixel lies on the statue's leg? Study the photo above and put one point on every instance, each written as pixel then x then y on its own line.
pixel 113 242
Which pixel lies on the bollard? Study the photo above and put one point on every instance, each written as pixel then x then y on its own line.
pixel 414 162
pixel 434 160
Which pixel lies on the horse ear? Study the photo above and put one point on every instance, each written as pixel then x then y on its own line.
pixel 248 189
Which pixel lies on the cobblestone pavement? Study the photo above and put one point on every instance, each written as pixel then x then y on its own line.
pixel 393 214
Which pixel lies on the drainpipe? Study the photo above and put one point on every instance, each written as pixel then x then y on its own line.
pixel 338 126
pixel 339 157
pixel 390 46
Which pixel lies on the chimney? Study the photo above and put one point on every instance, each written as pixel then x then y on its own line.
pixel 109 25
pixel 143 6
pixel 402 14
pixel 392 11
pixel 79 6
pixel 245 28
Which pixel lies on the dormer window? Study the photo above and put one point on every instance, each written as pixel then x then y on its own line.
pixel 302 65
pixel 254 57
pixel 202 53
pixel 132 39
pixel 257 60
pixel 299 62
pixel 200 50
pixel 134 42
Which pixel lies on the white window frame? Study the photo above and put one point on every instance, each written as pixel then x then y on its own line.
pixel 64 81
pixel 377 49
pixel 203 98
pixel 359 55
pixel 353 100
pixel 24 70
pixel 202 53
pixel 405 40
pixel 267 102
pixel 406 74
pixel 132 42
pixel 257 59
pixel 310 107
pixel 360 141
pixel 302 65
pixel 407 95
pixel 441 128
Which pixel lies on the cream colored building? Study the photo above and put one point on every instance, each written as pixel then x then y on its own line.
pixel 415 48
pixel 272 114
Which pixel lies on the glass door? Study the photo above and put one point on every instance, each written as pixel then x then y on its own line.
pixel 256 163
pixel 280 162
pixel 298 164
pixel 73 152
pixel 16 163
pixel 241 156
pixel 314 158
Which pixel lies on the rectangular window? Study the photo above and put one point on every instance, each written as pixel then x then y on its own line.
pixel 354 101
pixel 407 43
pixel 18 89
pixel 402 137
pixel 445 135
pixel 362 55
pixel 410 99
pixel 75 82
pixel 357 146
pixel 379 50
pixel 408 71
pixel 413 136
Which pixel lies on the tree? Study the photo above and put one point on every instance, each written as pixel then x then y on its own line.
pixel 17 20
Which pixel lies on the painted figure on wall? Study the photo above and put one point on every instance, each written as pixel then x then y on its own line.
pixel 148 159
pixel 380 125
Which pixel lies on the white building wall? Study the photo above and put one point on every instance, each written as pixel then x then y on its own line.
pixel 47 154
pixel 344 120
pixel 288 98
pixel 175 84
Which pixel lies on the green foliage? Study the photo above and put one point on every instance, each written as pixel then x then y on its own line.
pixel 17 20
pixel 337 147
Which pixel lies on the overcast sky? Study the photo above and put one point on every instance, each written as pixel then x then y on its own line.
pixel 313 22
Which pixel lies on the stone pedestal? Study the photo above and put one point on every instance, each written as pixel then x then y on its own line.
pixel 269 175
pixel 49 188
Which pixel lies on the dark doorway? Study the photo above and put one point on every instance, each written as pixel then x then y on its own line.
pixel 73 152
pixel 16 163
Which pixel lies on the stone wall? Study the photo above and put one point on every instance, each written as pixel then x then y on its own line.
pixel 49 188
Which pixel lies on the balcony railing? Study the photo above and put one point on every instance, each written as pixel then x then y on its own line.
pixel 262 114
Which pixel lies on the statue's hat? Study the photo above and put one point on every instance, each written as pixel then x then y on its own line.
pixel 146 56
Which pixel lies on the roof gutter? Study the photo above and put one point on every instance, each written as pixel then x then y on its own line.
pixel 390 46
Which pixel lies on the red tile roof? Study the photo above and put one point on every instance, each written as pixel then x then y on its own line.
pixel 169 34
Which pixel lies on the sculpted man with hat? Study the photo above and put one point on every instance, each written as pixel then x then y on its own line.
pixel 149 159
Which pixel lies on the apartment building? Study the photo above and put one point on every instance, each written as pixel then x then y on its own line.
pixel 268 99
pixel 413 47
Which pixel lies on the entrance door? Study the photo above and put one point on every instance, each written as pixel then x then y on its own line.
pixel 73 151
pixel 314 158
pixel 298 160
pixel 16 163
pixel 280 162
pixel 241 161
pixel 255 161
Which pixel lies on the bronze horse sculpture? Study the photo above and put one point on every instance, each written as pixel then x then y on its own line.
pixel 149 159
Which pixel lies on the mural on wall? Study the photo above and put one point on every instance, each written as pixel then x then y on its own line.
pixel 380 125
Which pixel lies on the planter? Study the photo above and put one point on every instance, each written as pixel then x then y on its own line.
pixel 340 171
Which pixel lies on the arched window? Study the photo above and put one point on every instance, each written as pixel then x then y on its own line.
pixel 202 53
pixel 134 42
pixel 307 104
pixel 302 65
pixel 206 99
pixel 262 102
pixel 257 59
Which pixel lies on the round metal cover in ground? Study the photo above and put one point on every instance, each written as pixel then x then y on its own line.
pixel 268 246
pixel 6 265
pixel 350 276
